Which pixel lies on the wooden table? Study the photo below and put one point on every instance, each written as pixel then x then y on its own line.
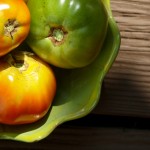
pixel 127 86
pixel 120 120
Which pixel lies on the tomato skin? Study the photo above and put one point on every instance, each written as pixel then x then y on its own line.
pixel 14 24
pixel 83 23
pixel 27 90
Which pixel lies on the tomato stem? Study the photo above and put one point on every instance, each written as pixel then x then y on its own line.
pixel 57 35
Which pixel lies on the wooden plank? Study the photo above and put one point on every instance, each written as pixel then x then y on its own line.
pixel 92 132
pixel 87 138
pixel 126 88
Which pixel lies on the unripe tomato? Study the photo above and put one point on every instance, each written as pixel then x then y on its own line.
pixel 27 88
pixel 67 33
pixel 14 24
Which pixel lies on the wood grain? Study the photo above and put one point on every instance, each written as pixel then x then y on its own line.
pixel 126 89
pixel 89 138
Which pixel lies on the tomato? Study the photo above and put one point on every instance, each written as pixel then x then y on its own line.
pixel 67 33
pixel 14 24
pixel 28 87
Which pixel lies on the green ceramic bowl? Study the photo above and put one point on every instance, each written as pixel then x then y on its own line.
pixel 78 91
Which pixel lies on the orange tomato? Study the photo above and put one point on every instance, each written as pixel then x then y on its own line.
pixel 14 24
pixel 27 88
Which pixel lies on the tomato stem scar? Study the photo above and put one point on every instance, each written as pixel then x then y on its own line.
pixel 17 60
pixel 57 35
pixel 10 27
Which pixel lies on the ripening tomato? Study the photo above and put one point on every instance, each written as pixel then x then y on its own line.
pixel 27 88
pixel 14 24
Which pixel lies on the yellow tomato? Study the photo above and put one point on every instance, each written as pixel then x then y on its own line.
pixel 27 88
pixel 14 24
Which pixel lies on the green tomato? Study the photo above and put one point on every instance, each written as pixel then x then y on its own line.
pixel 67 33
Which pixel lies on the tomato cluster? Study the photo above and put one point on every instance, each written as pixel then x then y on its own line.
pixel 65 34
pixel 27 84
